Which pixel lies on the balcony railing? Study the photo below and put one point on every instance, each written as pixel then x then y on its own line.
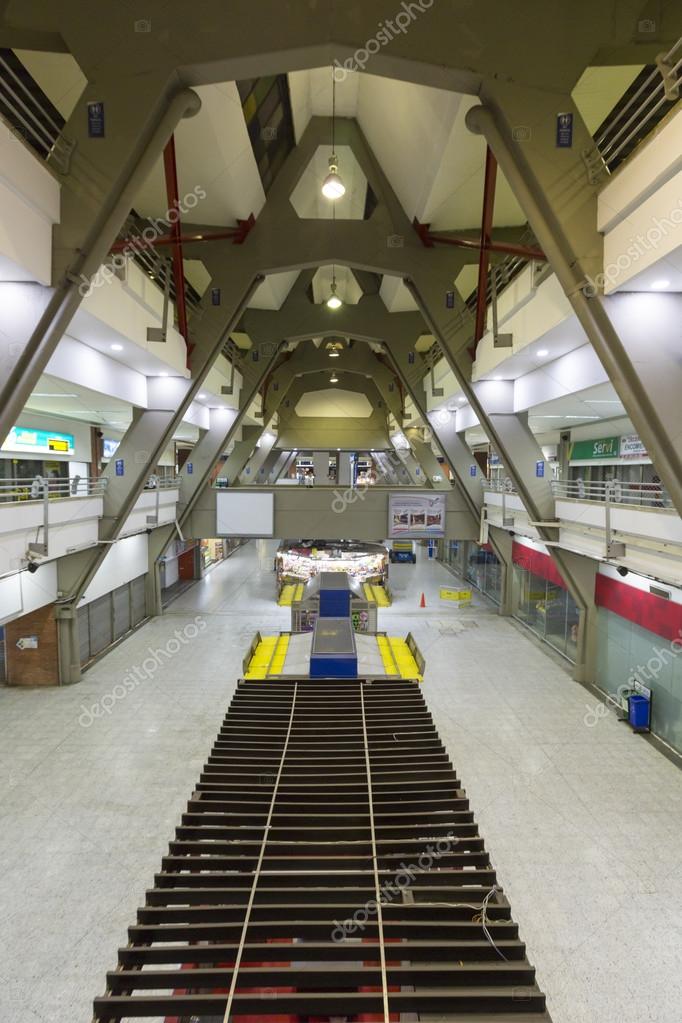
pixel 60 488
pixel 643 495
pixel 653 94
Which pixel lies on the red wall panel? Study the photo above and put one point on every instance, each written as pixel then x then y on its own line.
pixel 536 562
pixel 658 615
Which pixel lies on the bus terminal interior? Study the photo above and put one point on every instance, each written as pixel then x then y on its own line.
pixel 340 512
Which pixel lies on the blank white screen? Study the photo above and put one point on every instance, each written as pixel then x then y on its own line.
pixel 241 514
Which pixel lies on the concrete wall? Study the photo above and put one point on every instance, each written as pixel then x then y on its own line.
pixel 332 512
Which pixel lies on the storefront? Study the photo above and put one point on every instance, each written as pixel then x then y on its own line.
pixel 212 551
pixel 475 564
pixel 623 458
pixel 485 572
pixel 541 600
pixel 54 450
pixel 640 638
pixel 299 561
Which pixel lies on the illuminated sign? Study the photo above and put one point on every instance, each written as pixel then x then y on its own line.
pixel 39 442
pixel 109 447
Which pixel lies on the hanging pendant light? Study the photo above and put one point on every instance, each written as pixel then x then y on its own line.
pixel 332 186
pixel 333 379
pixel 334 302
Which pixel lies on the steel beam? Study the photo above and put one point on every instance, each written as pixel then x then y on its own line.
pixel 88 227
pixel 561 205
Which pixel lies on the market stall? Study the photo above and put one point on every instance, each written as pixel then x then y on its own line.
pixel 298 561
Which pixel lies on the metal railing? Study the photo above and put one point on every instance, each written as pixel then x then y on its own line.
pixel 63 487
pixel 30 115
pixel 33 489
pixel 499 486
pixel 643 495
pixel 631 121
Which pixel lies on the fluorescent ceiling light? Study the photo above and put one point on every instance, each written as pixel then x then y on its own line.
pixel 201 396
pixel 660 285
pixel 116 348
pixel 49 394
pixel 541 352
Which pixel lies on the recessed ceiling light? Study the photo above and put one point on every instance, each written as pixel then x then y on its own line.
pixel 163 373
pixel 201 396
pixel 660 285
pixel 541 352
pixel 497 378
pixel 116 348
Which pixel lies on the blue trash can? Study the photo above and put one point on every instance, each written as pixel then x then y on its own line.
pixel 638 711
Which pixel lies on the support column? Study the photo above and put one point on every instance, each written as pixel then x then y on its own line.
pixel 254 470
pixel 561 205
pixel 267 468
pixel 321 467
pixel 97 194
pixel 282 465
pixel 427 460
pixel 343 468
pixel 492 402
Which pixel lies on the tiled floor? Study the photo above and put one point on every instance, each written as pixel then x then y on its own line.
pixel 584 822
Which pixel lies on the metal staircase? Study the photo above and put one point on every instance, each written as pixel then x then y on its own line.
pixel 328 865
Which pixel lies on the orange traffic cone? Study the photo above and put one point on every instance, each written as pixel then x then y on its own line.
pixel 422 602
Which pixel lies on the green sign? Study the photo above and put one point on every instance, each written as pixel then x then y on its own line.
pixel 587 450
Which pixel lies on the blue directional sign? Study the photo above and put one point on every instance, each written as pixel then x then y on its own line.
pixel 190 468
pixel 540 468
pixel 96 120
pixel 564 131
pixel 120 467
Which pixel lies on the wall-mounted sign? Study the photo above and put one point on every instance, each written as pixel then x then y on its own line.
pixel 39 442
pixel 631 446
pixel 416 515
pixel 215 296
pixel 449 300
pixel 564 131
pixel 472 470
pixel 109 446
pixel 540 468
pixel 588 450
pixel 119 466
pixel 27 643
pixel 96 120
pixel 190 468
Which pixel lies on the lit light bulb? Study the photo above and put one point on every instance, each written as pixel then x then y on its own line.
pixel 333 379
pixel 332 186
pixel 334 302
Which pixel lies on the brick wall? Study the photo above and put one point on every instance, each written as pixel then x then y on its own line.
pixel 39 667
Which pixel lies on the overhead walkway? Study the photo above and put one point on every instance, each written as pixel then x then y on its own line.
pixel 328 817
